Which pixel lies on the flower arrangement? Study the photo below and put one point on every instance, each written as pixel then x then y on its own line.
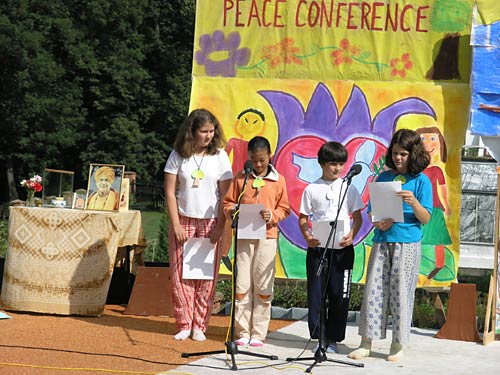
pixel 33 185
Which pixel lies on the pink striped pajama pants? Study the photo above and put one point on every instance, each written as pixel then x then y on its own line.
pixel 192 299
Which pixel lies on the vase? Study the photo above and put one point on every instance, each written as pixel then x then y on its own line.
pixel 30 198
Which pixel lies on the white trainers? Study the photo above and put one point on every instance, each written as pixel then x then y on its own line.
pixel 198 335
pixel 332 348
pixel 359 353
pixel 182 335
pixel 242 341
pixel 256 343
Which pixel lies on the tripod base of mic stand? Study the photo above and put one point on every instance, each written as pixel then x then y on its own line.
pixel 232 349
pixel 319 357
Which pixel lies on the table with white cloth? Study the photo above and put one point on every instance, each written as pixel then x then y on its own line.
pixel 61 260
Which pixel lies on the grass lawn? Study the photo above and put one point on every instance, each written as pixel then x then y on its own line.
pixel 151 224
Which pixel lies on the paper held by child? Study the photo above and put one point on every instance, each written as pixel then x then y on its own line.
pixel 384 201
pixel 321 231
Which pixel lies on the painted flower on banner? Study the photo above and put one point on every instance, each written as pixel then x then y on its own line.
pixel 282 52
pixel 221 54
pixel 345 54
pixel 399 66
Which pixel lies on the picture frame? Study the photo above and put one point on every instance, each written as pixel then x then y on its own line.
pixel 79 199
pixel 104 187
pixel 124 195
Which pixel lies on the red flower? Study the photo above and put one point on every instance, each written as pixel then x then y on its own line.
pixel 34 183
pixel 345 54
pixel 283 51
pixel 400 66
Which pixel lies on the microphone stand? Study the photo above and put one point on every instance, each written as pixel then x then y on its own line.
pixel 231 347
pixel 323 271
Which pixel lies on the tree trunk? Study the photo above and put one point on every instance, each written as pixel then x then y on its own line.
pixel 11 183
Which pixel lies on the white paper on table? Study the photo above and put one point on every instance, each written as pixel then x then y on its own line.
pixel 251 226
pixel 321 231
pixel 384 201
pixel 198 262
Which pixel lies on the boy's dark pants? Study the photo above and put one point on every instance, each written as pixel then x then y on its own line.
pixel 338 291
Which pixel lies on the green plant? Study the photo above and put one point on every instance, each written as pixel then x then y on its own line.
pixel 424 316
pixel 290 293
pixel 224 286
pixel 287 293
pixel 161 254
pixel 356 297
pixel 155 225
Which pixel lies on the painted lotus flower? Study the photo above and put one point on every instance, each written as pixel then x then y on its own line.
pixel 301 133
pixel 221 54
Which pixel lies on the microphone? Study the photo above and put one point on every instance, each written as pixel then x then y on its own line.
pixel 248 167
pixel 354 171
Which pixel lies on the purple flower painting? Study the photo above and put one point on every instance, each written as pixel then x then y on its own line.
pixel 221 54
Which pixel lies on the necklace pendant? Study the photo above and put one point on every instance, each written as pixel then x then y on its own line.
pixel 400 178
pixel 258 183
pixel 196 182
pixel 197 174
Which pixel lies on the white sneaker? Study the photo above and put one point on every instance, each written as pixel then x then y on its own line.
pixel 242 341
pixel 332 348
pixel 182 335
pixel 256 343
pixel 198 335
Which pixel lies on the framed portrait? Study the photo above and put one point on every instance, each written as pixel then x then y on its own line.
pixel 78 202
pixel 104 187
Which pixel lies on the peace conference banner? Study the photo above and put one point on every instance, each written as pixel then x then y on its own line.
pixel 304 72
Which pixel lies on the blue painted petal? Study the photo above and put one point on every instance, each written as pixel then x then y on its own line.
pixel 364 157
pixel 309 169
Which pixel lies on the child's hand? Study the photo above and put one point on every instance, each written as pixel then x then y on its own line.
pixel 383 225
pixel 266 215
pixel 217 232
pixel 346 240
pixel 408 197
pixel 231 212
pixel 312 242
pixel 180 234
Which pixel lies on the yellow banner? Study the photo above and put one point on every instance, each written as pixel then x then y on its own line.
pixel 417 40
pixel 304 72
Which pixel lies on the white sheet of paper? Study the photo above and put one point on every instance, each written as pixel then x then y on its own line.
pixel 251 226
pixel 384 201
pixel 321 231
pixel 198 263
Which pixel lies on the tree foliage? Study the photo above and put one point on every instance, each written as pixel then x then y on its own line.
pixel 102 81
